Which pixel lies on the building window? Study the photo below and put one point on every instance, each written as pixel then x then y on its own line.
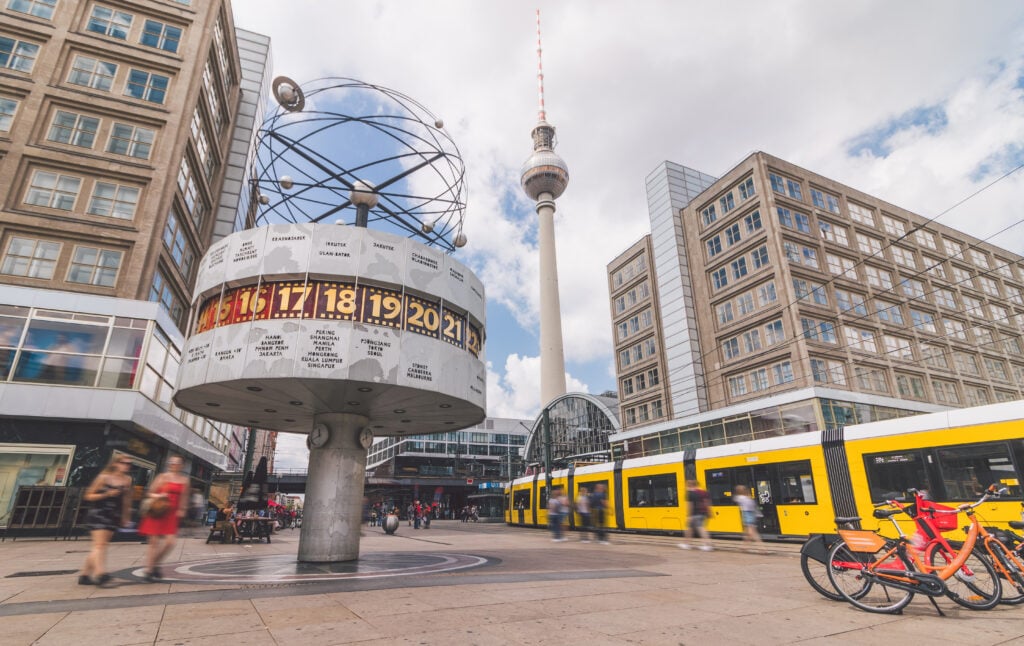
pixel 656 409
pixel 760 256
pixel 30 258
pixel 966 364
pixel 162 292
pixel 889 312
pixel 996 369
pixel 945 298
pixel 752 221
pixel 778 183
pixel 113 200
pixel 945 392
pixel 109 22
pixel 708 215
pixel 747 189
pixel 793 188
pixel 752 341
pixel 923 321
pixel 212 98
pixel 17 54
pixel 925 238
pixel 652 377
pixel 37 8
pixel 879 278
pixel 825 201
pixel 979 259
pixel 841 266
pixel 782 373
pixel 180 249
pixel 953 248
pixel 773 333
pixel 129 140
pixel 75 129
pixel 904 257
pixel 972 305
pixel 793 220
pixel 933 356
pixel 726 203
pixel 725 313
pixel 977 395
pixel 732 234
pixel 955 329
pixel 823 331
pixel 857 339
pixel 869 245
pixel 861 214
pixel 912 288
pixel 894 227
pixel 53 191
pixel 739 268
pixel 190 191
pixel 7 109
pixel 963 276
pixel 161 36
pixel 93 266
pixel 731 349
pixel 898 347
pixel 910 386
pixel 766 294
pixel 737 385
pixel 758 380
pixel 989 286
pixel 714 246
pixel 1014 295
pixel 146 86
pixel 745 303
pixel 871 379
pixel 934 267
pixel 999 313
pixel 833 233
pixel 847 300
pixel 827 371
pixel 719 278
pixel 92 73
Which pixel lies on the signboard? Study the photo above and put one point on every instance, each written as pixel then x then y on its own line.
pixel 339 301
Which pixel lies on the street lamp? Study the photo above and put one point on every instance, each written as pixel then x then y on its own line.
pixel 364 197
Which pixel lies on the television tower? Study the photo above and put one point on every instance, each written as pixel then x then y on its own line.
pixel 544 178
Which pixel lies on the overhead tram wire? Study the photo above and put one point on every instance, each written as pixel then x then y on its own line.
pixel 709 353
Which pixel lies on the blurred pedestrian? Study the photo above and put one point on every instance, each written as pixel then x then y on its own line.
pixel 583 509
pixel 598 507
pixel 110 509
pixel 698 506
pixel 749 514
pixel 169 491
pixel 555 514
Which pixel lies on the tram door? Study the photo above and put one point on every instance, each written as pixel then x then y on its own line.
pixel 763 492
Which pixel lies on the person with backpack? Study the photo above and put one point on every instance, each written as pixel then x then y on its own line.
pixel 697 511
pixel 556 503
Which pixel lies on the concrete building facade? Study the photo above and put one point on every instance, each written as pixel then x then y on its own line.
pixel 116 128
pixel 810 304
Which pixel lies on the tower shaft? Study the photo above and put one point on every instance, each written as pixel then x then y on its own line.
pixel 552 355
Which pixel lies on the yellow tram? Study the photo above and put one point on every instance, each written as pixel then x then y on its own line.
pixel 803 481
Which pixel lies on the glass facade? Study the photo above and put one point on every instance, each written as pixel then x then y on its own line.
pixel 579 426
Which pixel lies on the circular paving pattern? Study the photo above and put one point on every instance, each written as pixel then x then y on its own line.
pixel 281 569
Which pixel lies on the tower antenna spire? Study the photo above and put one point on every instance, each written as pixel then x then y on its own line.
pixel 542 113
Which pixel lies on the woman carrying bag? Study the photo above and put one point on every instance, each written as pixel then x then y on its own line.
pixel 165 505
pixel 109 497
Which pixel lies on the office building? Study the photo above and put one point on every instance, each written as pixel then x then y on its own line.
pixel 774 300
pixel 117 125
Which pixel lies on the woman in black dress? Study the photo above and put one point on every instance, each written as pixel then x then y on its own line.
pixel 110 498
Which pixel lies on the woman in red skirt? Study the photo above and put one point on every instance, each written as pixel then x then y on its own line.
pixel 172 486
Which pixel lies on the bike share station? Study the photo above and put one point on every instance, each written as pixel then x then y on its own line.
pixel 317 324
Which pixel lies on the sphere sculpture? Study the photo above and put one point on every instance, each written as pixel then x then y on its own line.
pixel 328 136
pixel 343 333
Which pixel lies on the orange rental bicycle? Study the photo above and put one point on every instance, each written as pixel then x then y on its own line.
pixel 886 583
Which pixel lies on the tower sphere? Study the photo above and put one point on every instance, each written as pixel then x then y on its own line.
pixel 544 172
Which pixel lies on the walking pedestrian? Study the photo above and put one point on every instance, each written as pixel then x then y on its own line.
pixel 172 488
pixel 583 509
pixel 750 515
pixel 555 514
pixel 110 509
pixel 698 509
pixel 598 506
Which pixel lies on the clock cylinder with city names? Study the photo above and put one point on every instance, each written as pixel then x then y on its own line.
pixel 293 321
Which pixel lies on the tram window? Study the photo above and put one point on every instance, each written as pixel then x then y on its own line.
pixel 797 483
pixel 542 498
pixel 591 486
pixel 968 470
pixel 654 491
pixel 899 471
pixel 720 486
pixel 521 499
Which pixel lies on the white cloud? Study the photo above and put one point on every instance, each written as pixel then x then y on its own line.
pixel 291 452
pixel 515 392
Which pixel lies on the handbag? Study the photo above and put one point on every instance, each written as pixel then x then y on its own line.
pixel 155 507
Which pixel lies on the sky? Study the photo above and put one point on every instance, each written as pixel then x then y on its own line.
pixel 920 103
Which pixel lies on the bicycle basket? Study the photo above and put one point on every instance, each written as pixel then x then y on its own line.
pixel 942 522
pixel 862 540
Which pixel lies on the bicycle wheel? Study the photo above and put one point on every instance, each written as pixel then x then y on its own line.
pixel 975 585
pixel 816 574
pixel 860 591
pixel 1011 574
